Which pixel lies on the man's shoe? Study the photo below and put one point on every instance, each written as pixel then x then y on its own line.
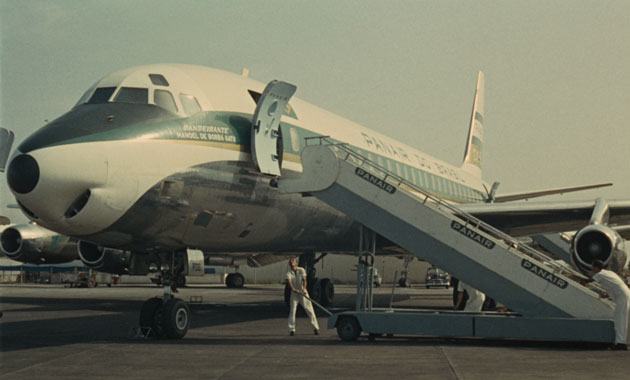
pixel 291 333
pixel 620 347
pixel 316 331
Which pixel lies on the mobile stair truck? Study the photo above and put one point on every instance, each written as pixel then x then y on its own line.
pixel 546 303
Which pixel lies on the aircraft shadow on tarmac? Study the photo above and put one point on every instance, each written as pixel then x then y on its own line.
pixel 53 322
pixel 61 321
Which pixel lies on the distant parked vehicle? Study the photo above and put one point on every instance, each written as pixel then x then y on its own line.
pixel 437 278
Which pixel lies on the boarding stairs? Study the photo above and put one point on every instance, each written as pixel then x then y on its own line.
pixel 528 282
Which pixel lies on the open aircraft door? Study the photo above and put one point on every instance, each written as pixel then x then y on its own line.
pixel 266 140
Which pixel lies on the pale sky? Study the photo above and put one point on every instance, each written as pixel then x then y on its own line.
pixel 557 106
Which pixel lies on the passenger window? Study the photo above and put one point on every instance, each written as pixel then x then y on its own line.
pixel 165 100
pixel 190 104
pixel 132 95
pixel 158 79
pixel 102 95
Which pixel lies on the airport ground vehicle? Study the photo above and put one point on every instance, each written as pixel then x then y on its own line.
pixel 437 278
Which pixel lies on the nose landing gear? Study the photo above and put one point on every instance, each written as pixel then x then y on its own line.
pixel 166 316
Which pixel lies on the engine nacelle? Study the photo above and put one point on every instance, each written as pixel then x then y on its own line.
pixel 598 242
pixel 30 243
pixel 116 261
pixel 105 259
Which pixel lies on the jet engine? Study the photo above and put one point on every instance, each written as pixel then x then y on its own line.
pixel 105 259
pixel 598 241
pixel 30 243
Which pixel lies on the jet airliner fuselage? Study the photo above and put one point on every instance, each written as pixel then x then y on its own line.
pixel 158 158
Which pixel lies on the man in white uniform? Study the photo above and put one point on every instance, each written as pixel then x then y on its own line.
pixel 620 294
pixel 475 297
pixel 296 278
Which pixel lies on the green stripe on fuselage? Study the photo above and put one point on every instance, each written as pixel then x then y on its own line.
pixel 223 129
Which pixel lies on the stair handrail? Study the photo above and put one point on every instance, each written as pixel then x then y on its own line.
pixel 466 218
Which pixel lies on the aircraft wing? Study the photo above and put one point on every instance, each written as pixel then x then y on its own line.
pixel 542 193
pixel 623 231
pixel 532 218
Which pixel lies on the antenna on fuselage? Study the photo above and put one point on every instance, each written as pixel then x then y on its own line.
pixel 245 72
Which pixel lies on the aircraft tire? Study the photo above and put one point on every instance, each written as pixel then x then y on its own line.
pixel 315 291
pixel 148 316
pixel 175 318
pixel 235 280
pixel 328 291
pixel 404 282
pixel 238 280
pixel 348 328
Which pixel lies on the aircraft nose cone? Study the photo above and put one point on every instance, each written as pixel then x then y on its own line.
pixel 23 174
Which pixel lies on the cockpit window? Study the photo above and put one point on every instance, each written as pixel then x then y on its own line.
pixel 158 79
pixel 190 104
pixel 102 95
pixel 165 100
pixel 86 95
pixel 132 95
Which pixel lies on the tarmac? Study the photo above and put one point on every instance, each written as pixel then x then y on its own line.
pixel 48 331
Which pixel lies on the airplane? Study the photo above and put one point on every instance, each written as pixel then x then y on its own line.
pixel 157 161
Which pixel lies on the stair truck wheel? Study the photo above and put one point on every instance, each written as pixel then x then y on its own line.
pixel 348 328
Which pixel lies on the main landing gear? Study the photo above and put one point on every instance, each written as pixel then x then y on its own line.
pixel 166 316
pixel 321 290
pixel 404 281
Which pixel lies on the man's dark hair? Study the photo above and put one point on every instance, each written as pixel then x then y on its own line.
pixel 598 264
